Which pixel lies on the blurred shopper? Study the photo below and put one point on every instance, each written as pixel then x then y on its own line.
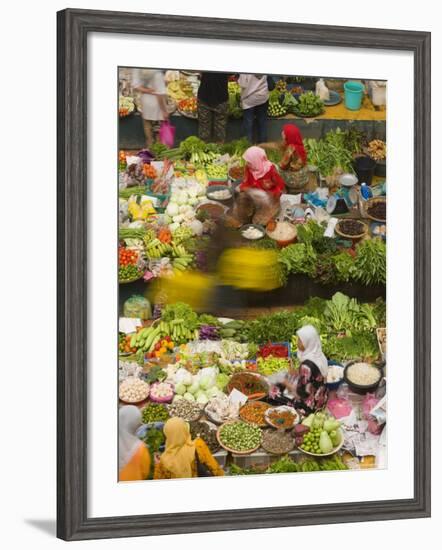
pixel 213 104
pixel 152 87
pixel 134 462
pixel 254 101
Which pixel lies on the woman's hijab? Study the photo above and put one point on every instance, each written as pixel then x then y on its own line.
pixel 313 350
pixel 128 442
pixel 259 164
pixel 180 449
pixel 294 137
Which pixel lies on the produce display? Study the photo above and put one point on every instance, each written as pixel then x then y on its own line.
pixel 378 210
pixel 282 418
pixel 277 442
pixel 309 105
pixel 221 195
pixel 193 350
pixel 270 365
pixel 252 233
pixel 352 228
pixel 126 106
pixel 377 149
pixel 133 390
pixel 318 434
pixel 206 433
pixel 154 412
pixel 240 437
pixel 363 374
pixel 188 106
pixel 161 392
pixel 251 385
pixel 220 409
pixel 187 410
pixel 254 412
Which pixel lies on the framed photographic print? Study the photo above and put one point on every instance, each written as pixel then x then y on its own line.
pixel 228 274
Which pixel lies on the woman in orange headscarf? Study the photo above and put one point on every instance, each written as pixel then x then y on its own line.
pixel 260 190
pixel 293 164
pixel 184 457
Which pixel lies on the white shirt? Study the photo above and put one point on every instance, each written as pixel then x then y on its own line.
pixel 254 90
pixel 150 105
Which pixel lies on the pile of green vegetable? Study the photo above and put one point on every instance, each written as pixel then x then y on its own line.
pixel 240 436
pixel 287 465
pixel 333 151
pixel 309 105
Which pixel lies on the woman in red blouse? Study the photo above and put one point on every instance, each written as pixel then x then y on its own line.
pixel 260 190
pixel 293 164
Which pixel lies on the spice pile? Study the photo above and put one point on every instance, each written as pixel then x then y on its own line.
pixel 277 442
pixel 254 412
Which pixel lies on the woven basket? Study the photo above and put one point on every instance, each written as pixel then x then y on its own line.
pixel 371 202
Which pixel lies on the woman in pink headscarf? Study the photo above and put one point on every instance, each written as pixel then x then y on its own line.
pixel 260 190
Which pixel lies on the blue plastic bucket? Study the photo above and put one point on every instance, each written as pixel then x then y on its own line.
pixel 353 92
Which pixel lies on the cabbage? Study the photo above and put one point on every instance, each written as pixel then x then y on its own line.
pixel 178 219
pixel 181 197
pixel 177 398
pixel 213 392
pixel 192 201
pixel 207 377
pixel 193 388
pixel 188 396
pixel 202 398
pixel 172 209
pixel 180 389
pixel 167 219
pixel 207 382
pixel 174 226
pixel 222 381
pixel 183 376
pixel 197 227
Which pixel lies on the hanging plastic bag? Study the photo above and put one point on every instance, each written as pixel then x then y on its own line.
pixel 167 133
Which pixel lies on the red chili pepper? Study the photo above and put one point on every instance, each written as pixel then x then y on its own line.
pixel 275 350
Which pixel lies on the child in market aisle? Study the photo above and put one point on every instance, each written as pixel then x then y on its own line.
pixel 134 461
pixel 260 190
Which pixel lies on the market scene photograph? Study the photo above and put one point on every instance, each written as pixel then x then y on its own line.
pixel 251 274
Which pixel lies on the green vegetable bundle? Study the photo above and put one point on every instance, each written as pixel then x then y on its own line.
pixel 371 262
pixel 298 258
pixel 309 104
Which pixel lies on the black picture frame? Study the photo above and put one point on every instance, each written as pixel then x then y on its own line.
pixel 73 27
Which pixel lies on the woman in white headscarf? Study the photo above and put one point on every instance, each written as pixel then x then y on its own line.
pixel 134 461
pixel 310 387
pixel 305 389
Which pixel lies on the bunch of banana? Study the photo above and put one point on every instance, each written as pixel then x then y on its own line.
pixel 201 158
pixel 146 338
pixel 181 258
pixel 178 331
pixel 155 249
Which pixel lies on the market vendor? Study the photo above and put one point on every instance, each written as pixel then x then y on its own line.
pixel 259 193
pixel 306 388
pixel 184 457
pixel 152 87
pixel 134 462
pixel 293 164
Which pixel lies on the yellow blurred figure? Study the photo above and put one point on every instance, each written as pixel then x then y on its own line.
pixel 249 269
pixel 192 287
